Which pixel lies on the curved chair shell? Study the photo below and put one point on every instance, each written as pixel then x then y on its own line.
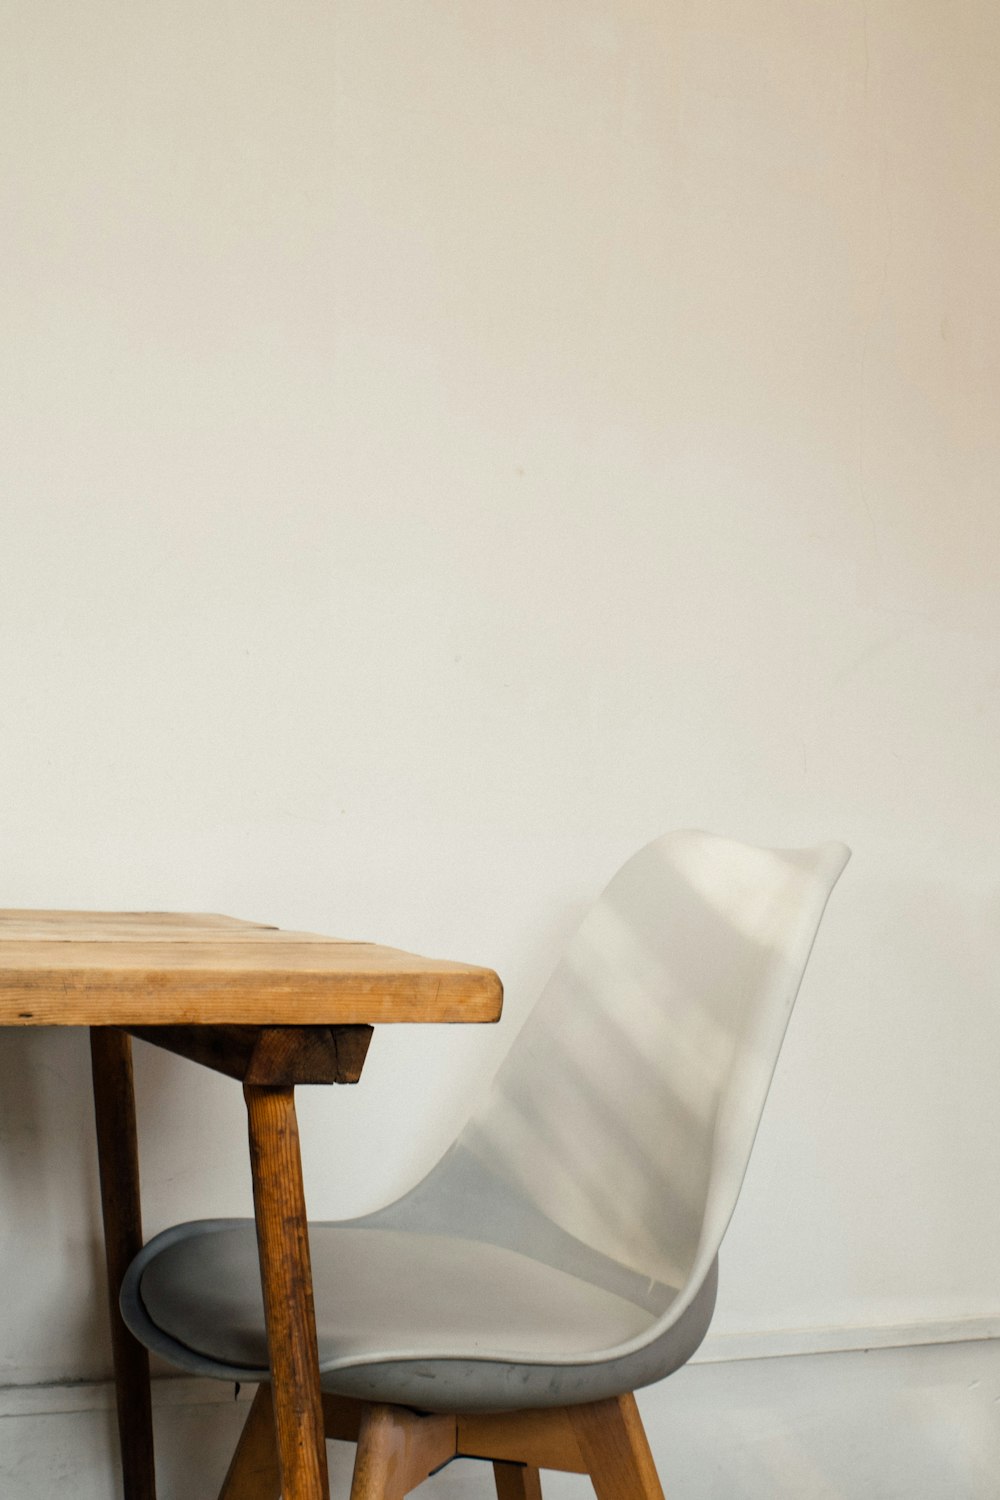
pixel 565 1248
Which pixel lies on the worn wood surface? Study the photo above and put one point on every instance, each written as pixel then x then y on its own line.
pixel 254 1473
pixel 268 1054
pixel 153 969
pixel 614 1447
pixel 118 1160
pixel 286 1280
pixel 28 921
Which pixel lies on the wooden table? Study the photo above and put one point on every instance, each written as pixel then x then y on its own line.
pixel 270 1008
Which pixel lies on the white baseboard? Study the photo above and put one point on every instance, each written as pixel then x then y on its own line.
pixel 55 1398
pixel 58 1399
pixel 721 1348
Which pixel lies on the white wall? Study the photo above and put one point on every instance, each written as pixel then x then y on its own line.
pixel 444 445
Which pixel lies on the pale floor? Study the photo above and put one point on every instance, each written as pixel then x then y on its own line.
pixel 892 1424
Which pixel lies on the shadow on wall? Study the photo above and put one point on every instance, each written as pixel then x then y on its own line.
pixel 634 1090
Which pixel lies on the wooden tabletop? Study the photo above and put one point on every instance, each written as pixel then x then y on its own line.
pixel 73 968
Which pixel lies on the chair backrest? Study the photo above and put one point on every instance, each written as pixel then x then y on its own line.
pixel 626 1109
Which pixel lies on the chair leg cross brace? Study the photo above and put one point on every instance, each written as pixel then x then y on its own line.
pixel 398 1449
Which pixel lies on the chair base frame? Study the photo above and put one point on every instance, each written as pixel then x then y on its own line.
pixel 397 1449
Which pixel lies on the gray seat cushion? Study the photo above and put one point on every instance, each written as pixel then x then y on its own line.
pixel 428 1320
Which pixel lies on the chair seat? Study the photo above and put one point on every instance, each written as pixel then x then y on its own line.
pixel 401 1315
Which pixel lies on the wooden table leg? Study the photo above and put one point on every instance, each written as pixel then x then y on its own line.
pixel 118 1159
pixel 286 1279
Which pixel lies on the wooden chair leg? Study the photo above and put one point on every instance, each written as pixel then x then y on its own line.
pixel 378 1463
pixel 614 1447
pixel 397 1450
pixel 517 1481
pixel 254 1473
pixel 286 1281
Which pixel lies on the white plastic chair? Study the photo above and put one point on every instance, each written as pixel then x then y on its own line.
pixel 562 1253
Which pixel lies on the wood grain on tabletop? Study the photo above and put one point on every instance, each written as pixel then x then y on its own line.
pixel 150 968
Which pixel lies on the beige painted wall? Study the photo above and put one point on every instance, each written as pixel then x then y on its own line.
pixel 446 444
